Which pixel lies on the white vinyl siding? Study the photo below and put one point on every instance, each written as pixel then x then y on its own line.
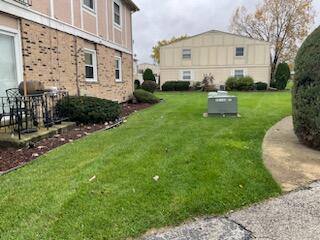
pixel 90 65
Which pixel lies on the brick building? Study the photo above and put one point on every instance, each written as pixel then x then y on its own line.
pixel 82 46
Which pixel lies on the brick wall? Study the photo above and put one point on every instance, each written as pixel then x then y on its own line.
pixel 57 59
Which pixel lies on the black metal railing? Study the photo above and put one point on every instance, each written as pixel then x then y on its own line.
pixel 27 114
pixel 24 2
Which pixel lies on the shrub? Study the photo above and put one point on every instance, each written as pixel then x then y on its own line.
pixel 261 86
pixel 149 86
pixel 136 84
pixel 245 84
pixel 176 86
pixel 148 75
pixel 231 84
pixel 88 109
pixel 306 89
pixel 282 76
pixel 143 96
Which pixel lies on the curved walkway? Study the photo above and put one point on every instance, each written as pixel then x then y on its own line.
pixel 291 164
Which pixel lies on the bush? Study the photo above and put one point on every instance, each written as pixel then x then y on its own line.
pixel 143 96
pixel 149 86
pixel 136 84
pixel 88 109
pixel 241 84
pixel 231 84
pixel 306 89
pixel 176 86
pixel 148 75
pixel 261 86
pixel 282 76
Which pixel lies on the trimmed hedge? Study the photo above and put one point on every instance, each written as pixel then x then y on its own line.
pixel 261 86
pixel 143 96
pixel 306 92
pixel 282 76
pixel 88 109
pixel 148 75
pixel 176 86
pixel 149 86
pixel 241 84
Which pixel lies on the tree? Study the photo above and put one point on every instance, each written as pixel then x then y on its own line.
pixel 148 75
pixel 282 76
pixel 283 23
pixel 156 49
pixel 306 88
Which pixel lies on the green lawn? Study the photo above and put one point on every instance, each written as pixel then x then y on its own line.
pixel 206 166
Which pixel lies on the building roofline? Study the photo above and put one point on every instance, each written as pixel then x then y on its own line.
pixel 132 5
pixel 217 31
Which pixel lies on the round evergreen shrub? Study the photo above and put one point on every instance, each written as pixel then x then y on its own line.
pixel 176 86
pixel 261 86
pixel 282 76
pixel 88 109
pixel 148 75
pixel 231 84
pixel 245 84
pixel 149 86
pixel 143 96
pixel 306 91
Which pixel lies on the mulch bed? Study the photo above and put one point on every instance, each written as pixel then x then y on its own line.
pixel 13 158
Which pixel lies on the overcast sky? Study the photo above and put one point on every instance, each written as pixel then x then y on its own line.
pixel 162 19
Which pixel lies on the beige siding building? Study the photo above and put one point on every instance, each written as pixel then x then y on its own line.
pixel 219 53
pixel 82 46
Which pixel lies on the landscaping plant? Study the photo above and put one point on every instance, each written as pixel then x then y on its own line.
pixel 306 92
pixel 150 86
pixel 242 84
pixel 282 76
pixel 136 84
pixel 261 86
pixel 88 109
pixel 176 86
pixel 207 83
pixel 143 96
pixel 148 75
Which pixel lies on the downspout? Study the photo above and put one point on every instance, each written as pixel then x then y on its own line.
pixel 25 90
pixel 76 59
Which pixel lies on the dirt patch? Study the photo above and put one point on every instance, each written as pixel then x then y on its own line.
pixel 292 164
pixel 12 158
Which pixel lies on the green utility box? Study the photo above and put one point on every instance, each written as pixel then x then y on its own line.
pixel 220 103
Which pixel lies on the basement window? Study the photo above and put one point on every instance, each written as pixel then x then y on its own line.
pixel 238 73
pixel 118 68
pixel 186 75
pixel 90 57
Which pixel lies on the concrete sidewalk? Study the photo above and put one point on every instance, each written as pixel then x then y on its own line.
pixel 293 216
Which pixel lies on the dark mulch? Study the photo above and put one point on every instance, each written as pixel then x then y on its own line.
pixel 12 158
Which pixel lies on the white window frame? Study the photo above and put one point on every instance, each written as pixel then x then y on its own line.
pixel 117 58
pixel 183 54
pixel 89 8
pixel 94 65
pixel 18 49
pixel 234 73
pixel 244 52
pixel 182 75
pixel 119 26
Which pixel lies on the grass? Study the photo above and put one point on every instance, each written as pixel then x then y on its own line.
pixel 206 166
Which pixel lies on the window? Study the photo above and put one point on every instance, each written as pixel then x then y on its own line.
pixel 89 4
pixel 116 13
pixel 91 65
pixel 186 53
pixel 238 73
pixel 186 75
pixel 239 52
pixel 118 68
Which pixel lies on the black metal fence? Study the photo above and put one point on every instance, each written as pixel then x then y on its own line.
pixel 27 114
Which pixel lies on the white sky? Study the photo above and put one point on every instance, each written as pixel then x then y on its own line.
pixel 163 19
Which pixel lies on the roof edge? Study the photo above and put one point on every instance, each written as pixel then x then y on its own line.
pixel 132 5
